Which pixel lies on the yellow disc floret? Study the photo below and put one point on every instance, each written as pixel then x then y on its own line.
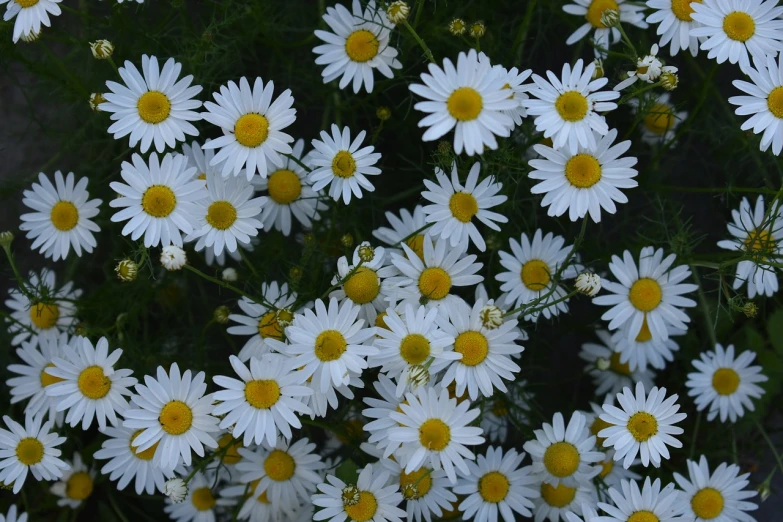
pixel 739 26
pixel 284 186
pixel 465 104
pixel 434 434
pixel 414 349
pixel 583 171
pixel 175 417
pixel 572 105
pixel 262 393
pixel 361 46
pixel 93 383
pixel 559 496
pixel 643 516
pixel 203 499
pixel 596 10
pixel 153 107
pixel 725 381
pixel 473 346
pixel 44 316
pixel 645 294
pixel 79 486
pixel 148 453
pixel 535 275
pixel 251 130
pixel 29 451
pixel 158 201
pixel 47 379
pixel 279 465
pixel 682 9
pixel 64 216
pixel 660 119
pixel 561 459
pixel 221 215
pixel 642 426
pixel 493 486
pixel 434 283
pixel 707 503
pixel 343 164
pixel 330 345
pixel 362 286
pixel 463 206
pixel 363 510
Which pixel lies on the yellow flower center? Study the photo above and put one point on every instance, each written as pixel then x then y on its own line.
pixel 415 484
pixel 659 119
pixel 380 321
pixel 268 327
pixel 606 467
pixel 561 459
pixel 642 426
pixel 153 107
pixel 44 316
pixel 644 334
pixel 262 394
pixel 463 206
pixel 79 486
pixel 473 346
pixel 759 241
pixel 361 46
pixel 595 429
pixel 682 9
pixel 616 366
pixel 739 26
pixel 416 243
pixel 775 102
pixel 363 286
pixel 596 10
pixel 499 409
pixel 725 381
pixel 158 201
pixel 535 275
pixel 645 294
pixel 279 465
pixel 434 434
pixel 572 105
pixel 148 453
pixel 47 379
pixel 330 345
pixel 559 496
pixel 583 171
pixel 364 510
pixel 203 499
pixel 93 383
pixel 26 3
pixel 263 498
pixel 434 283
pixel 343 164
pixel 465 104
pixel 64 216
pixel 415 348
pixel 284 186
pixel 643 516
pixel 251 130
pixel 707 503
pixel 221 215
pixel 232 455
pixel 29 451
pixel 493 486
pixel 175 418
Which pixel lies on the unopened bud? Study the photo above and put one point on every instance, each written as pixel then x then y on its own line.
pixel 229 275
pixel 610 18
pixel 30 37
pixel 603 364
pixel 418 375
pixel 173 258
pixel 126 270
pixel 598 72
pixel 351 495
pixel 96 99
pixel 176 489
pixel 346 240
pixel 669 80
pixel 457 27
pixel 478 29
pixel 398 12
pixel 383 113
pixel 750 310
pixel 6 238
pixel 220 315
pixel 491 317
pixel 366 252
pixel 101 49
pixel 588 283
pixel 764 491
pixel 284 317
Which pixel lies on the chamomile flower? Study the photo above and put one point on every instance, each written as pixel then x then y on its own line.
pixel 369 499
pixel 531 267
pixel 174 415
pixel 675 19
pixel 252 126
pixel 153 108
pixel 89 385
pixel 648 503
pixel 200 503
pixel 515 82
pixel 764 103
pixel 555 503
pixel 760 236
pixel 33 380
pixel 644 425
pixel 158 200
pixel 567 109
pixel 637 352
pixel 660 120
pixel 587 181
pixel 29 448
pixel 408 227
pixel 76 484
pixel 733 29
pixel 469 98
pixel 364 283
pixel 30 16
pixel 454 206
pixel 604 366
pixel 378 411
pixel 603 36
pixel 652 292
pixel 343 165
pixel 648 69
pixel 720 496
pixel 357 46
pixel 724 383
pixel 11 516
pixel 62 216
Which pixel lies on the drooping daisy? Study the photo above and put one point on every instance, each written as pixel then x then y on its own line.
pixel 648 503
pixel 343 165
pixel 357 46
pixel 409 228
pixel 719 496
pixel 637 352
pixel 609 374
pixel 158 200
pixel 62 216
pixel 153 108
pixel 469 98
pixel 603 36
pixel 587 181
pixel 38 321
pixel 724 383
pixel 32 448
pixel 33 380
pixel 76 484
pixel 531 267
pixel 174 415
pixel 30 16
pixel 644 425
pixel 88 383
pixel 454 206
pixel 556 502
pixel 675 19
pixel 652 292
pixel 566 109
pixel 369 499
pixel 764 103
pixel 252 127
pixel 734 29
pixel 12 516
pixel 378 411
pixel 364 282
pixel 660 119
pixel 200 503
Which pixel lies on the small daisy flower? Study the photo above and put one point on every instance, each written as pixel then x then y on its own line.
pixel 720 496
pixel 369 499
pixel 357 46
pixel 609 374
pixel 648 69
pixel 62 216
pixel 158 200
pixel 515 82
pixel 29 448
pixel 153 108
pixel 761 237
pixel 263 321
pixel 88 383
pixel 644 425
pixel 734 29
pixel 724 383
pixel 567 109
pixel 33 380
pixel 252 127
pixel 364 283
pixel 200 503
pixel 342 165
pixel 408 227
pixel 675 19
pixel 379 410
pixel 555 503
pixel 660 120
pixel 764 103
pixel 76 484
pixel 12 516
pixel 603 36
pixel 652 292
pixel 173 258
pixel 30 16
pixel 469 98
pixel 648 503
pixel 637 352
pixel 174 415
pixel 587 181
pixel 455 205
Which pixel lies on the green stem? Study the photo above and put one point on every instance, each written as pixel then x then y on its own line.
pixel 223 284
pixel 769 442
pixel 69 77
pixel 704 306
pixel 421 42
pixel 695 436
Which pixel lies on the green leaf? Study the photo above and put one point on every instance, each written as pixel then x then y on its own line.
pixel 348 472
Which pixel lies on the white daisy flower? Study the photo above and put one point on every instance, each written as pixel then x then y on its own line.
pixel 369 499
pixel 29 448
pixel 252 127
pixel 174 414
pixel 321 402
pixel 200 504
pixel 153 108
pixel 379 410
pixel 720 496
pixel 733 29
pixel 592 11
pixel 675 19
pixel 30 16
pixel 724 383
pixel 434 430
pixel 637 352
pixel 256 508
pixel 586 181
pixel 644 425
pixel 531 267
pixel 454 206
pixel 409 228
pixel 342 165
pixel 612 475
pixel 649 503
pixel 262 403
pixel 44 314
pixel 469 98
pixel 200 158
pixel 564 453
pixel 61 217
pixel 651 292
pixel 357 46
pixel 11 516
pixel 515 82
pixel 566 109
pixel 556 502
pixel 764 103
pixel 158 200
pixel 75 485
pixel 648 69
pixel 211 259
pixel 760 236
pixel 497 484
pixel 660 120
pixel 89 385
pixel 588 515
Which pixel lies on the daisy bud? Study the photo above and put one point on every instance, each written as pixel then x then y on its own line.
pixel 444 147
pixel 31 37
pixel 750 310
pixel 176 489
pixel 410 491
pixel 764 491
pixel 478 29
pixel 101 49
pixel 220 315
pixel 173 258
pixel 603 364
pixel 351 495
pixel 610 18
pixel 598 72
pixel 457 27
pixel 491 317
pixel 398 12
pixel 669 78
pixel 366 252
pixel 346 240
pixel 6 238
pixel 96 99
pixel 383 113
pixel 229 274
pixel 418 376
pixel 295 274
pixel 284 317
pixel 588 283
pixel 126 270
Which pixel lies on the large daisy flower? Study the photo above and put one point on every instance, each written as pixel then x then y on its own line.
pixel 592 11
pixel 29 448
pixel 650 502
pixel 369 499
pixel 76 484
pixel 675 19
pixel 408 227
pixel 764 103
pixel 30 16
pixel 32 380
pixel 609 373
